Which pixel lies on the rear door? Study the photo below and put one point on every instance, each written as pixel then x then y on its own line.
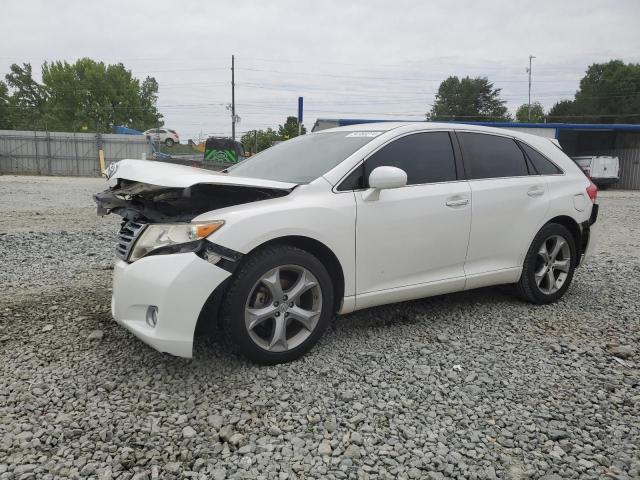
pixel 598 167
pixel 508 204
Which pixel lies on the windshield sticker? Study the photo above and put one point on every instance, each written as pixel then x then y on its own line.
pixel 364 134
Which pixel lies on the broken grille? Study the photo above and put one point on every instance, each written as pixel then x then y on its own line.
pixel 127 237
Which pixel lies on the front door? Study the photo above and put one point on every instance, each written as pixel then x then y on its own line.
pixel 416 235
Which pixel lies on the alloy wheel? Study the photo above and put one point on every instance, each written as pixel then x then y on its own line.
pixel 283 308
pixel 553 264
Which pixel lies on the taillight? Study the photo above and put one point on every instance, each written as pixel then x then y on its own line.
pixel 592 191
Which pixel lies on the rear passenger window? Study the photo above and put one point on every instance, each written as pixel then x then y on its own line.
pixel 425 157
pixel 490 156
pixel 542 164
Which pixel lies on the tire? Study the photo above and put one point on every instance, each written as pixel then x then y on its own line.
pixel 169 142
pixel 284 328
pixel 536 284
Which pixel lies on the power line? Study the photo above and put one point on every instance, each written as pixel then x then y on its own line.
pixel 369 77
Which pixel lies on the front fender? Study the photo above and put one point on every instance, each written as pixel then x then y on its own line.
pixel 326 217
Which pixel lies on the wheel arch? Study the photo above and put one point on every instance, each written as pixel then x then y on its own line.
pixel 573 227
pixel 322 253
pixel 210 314
pixel 570 224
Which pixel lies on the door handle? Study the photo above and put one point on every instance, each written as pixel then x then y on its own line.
pixel 535 192
pixel 457 202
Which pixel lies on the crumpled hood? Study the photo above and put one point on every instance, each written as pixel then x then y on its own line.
pixel 181 176
pixel 152 191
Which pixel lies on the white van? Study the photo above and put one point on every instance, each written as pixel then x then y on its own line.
pixel 602 170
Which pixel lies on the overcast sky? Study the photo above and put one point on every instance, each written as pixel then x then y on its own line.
pixel 348 59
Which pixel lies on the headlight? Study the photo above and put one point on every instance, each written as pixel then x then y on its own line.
pixel 159 235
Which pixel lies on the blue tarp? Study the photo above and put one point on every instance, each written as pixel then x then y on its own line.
pixel 119 129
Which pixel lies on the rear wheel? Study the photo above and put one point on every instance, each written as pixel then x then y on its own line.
pixel 549 265
pixel 278 304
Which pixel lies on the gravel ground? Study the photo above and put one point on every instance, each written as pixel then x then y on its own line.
pixel 470 385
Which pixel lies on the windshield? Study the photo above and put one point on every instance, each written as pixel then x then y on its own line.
pixel 303 159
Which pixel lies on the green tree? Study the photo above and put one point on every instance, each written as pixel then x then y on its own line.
pixel 149 115
pixel 470 99
pixel 289 129
pixel 537 113
pixel 5 117
pixel 608 93
pixel 27 100
pixel 83 96
pixel 265 139
pixel 90 95
pixel 562 112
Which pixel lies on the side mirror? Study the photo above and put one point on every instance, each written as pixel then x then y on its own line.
pixel 383 178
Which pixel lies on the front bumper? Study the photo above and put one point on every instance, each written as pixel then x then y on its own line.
pixel 178 285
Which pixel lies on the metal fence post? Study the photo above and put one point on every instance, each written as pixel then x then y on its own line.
pixel 49 170
pixel 100 153
pixel 35 144
pixel 75 147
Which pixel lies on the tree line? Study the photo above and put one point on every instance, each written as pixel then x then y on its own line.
pixel 75 97
pixel 94 97
pixel 608 93
pixel 257 140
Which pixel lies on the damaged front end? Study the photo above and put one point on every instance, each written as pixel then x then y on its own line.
pixel 140 201
pixel 161 298
pixel 161 200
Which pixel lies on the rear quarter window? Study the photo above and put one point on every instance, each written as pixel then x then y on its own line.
pixel 541 164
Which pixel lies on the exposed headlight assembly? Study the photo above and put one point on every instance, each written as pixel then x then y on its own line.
pixel 171 238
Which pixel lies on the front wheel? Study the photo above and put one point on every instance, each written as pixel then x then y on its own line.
pixel 278 304
pixel 549 265
pixel 169 142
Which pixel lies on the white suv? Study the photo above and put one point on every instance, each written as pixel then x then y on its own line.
pixel 337 221
pixel 163 135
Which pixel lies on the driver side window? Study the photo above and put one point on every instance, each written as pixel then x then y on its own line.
pixel 425 157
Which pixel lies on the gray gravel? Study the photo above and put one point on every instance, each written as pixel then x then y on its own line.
pixel 471 385
pixel 50 235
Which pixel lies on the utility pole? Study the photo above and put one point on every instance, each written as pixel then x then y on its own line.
pixel 529 72
pixel 255 141
pixel 300 103
pixel 233 99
